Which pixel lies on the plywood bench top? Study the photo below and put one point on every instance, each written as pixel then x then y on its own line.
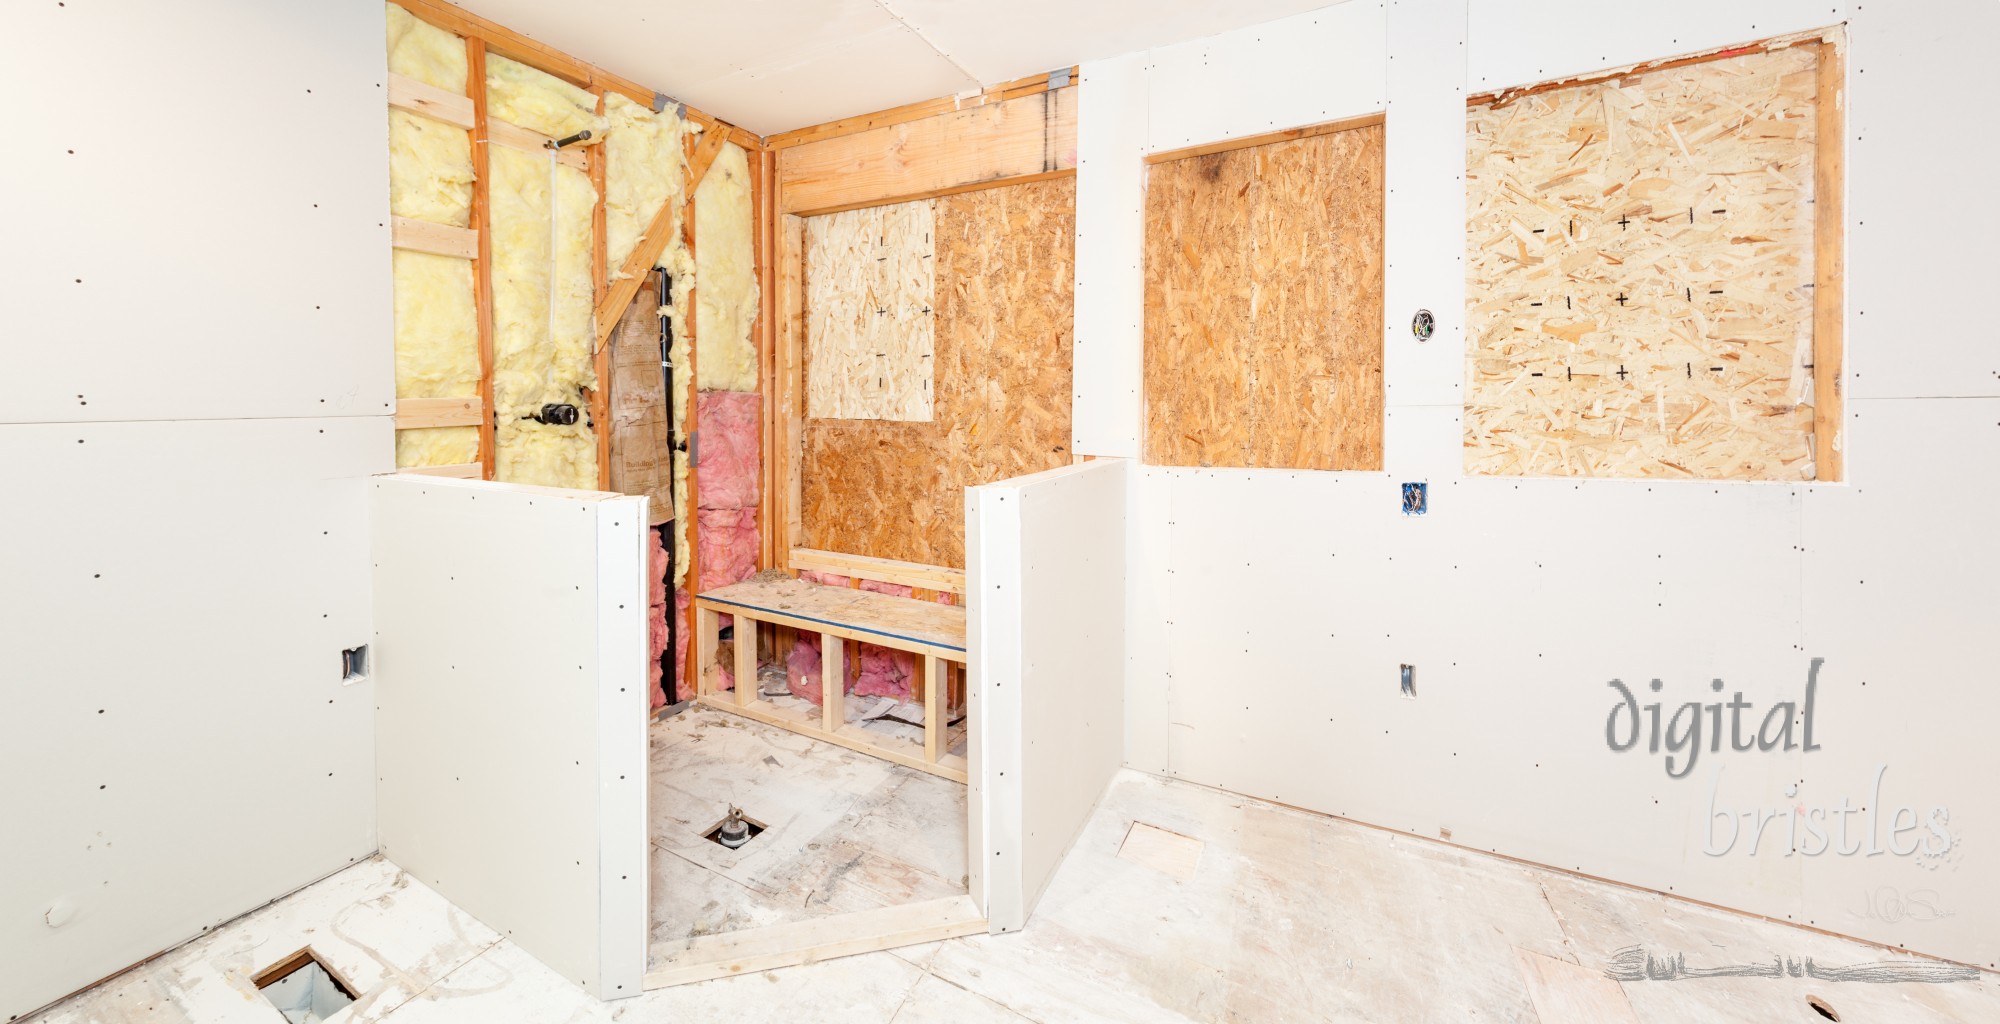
pixel 899 622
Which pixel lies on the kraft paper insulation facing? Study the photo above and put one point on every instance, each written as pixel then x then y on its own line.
pixel 644 167
pixel 1263 331
pixel 641 457
pixel 1002 307
pixel 542 338
pixel 870 280
pixel 539 101
pixel 1639 274
pixel 725 275
pixel 420 50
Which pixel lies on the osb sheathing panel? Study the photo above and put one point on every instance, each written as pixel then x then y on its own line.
pixel 1639 275
pixel 870 279
pixel 1263 332
pixel 1003 306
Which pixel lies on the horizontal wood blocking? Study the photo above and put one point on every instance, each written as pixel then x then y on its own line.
pixel 462 471
pixel 1015 89
pixel 437 239
pixel 1025 138
pixel 705 957
pixel 881 570
pixel 1266 138
pixel 406 93
pixel 417 413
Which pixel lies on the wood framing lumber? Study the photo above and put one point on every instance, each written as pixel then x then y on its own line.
pixel 461 471
pixel 933 676
pixel 600 396
pixel 728 954
pixel 482 266
pixel 419 97
pixel 703 158
pixel 417 413
pixel 437 239
pixel 853 737
pixel 745 633
pixel 1247 141
pixel 894 622
pixel 1829 265
pixel 786 443
pixel 1020 139
pixel 706 625
pixel 514 136
pixel 622 290
pixel 881 570
pixel 908 112
pixel 833 683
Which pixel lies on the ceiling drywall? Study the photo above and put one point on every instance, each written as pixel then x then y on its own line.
pixel 775 65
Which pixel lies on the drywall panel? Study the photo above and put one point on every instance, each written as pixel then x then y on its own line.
pixel 891 489
pixel 1046 632
pixel 179 744
pixel 1263 334
pixel 1267 77
pixel 1517 601
pixel 1425 210
pixel 1521 42
pixel 510 659
pixel 1896 68
pixel 167 281
pixel 1640 274
pixel 1110 231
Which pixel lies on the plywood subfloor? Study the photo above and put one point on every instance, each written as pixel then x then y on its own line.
pixel 1286 917
pixel 1263 331
pixel 844 831
pixel 1004 284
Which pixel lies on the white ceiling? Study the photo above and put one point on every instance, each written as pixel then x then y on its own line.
pixel 775 65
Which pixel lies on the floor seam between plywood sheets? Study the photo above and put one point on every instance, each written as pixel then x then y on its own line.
pixel 1562 928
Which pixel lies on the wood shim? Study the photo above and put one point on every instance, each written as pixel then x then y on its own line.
pixel 869 287
pixel 1006 269
pixel 1640 270
pixel 1263 333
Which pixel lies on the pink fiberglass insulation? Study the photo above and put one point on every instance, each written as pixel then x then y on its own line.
pixel 727 539
pixel 658 618
pixel 884 672
pixel 727 422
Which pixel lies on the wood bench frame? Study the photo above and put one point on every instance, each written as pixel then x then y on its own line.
pixel 830 724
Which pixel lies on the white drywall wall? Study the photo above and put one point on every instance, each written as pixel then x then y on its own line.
pixel 196 287
pixel 1045 571
pixel 510 665
pixel 1268 611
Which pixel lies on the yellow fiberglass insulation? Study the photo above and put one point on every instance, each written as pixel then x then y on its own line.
pixel 425 52
pixel 437 326
pixel 430 169
pixel 526 452
pixel 437 446
pixel 539 101
pixel 725 276
pixel 539 357
pixel 643 169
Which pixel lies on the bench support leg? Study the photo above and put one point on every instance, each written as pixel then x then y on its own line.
pixel 933 707
pixel 833 682
pixel 706 625
pixel 746 659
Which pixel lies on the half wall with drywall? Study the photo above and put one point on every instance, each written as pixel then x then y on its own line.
pixel 202 387
pixel 1515 600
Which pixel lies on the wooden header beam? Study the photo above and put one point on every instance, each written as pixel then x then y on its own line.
pixel 908 112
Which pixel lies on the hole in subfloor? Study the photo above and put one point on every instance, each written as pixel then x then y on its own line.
pixel 1822 1007
pixel 303 989
pixel 735 830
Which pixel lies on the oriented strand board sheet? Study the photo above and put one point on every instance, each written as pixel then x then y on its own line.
pixel 900 618
pixel 1263 321
pixel 870 280
pixel 1004 283
pixel 1639 271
